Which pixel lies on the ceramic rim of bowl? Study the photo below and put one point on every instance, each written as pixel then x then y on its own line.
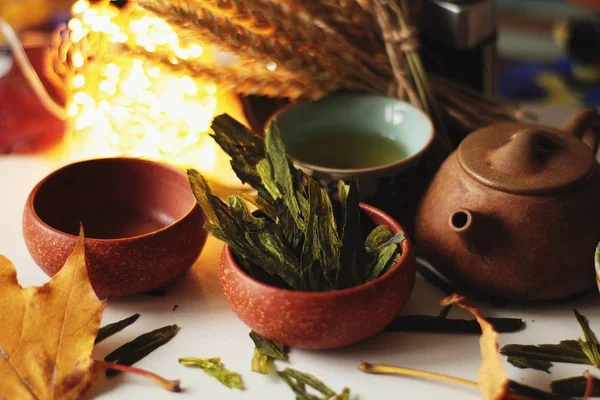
pixel 34 192
pixel 390 222
pixel 352 171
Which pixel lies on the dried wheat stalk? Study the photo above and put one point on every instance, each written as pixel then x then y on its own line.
pixel 296 27
pixel 238 80
pixel 192 20
pixel 277 23
pixel 403 87
pixel 346 17
pixel 401 41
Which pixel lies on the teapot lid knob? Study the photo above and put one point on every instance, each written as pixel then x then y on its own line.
pixel 525 158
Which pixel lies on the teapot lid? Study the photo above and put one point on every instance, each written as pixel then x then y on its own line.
pixel 525 158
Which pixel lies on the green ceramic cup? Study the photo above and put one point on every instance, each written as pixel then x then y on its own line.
pixel 383 186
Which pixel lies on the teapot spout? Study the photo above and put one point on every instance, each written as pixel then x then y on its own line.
pixel 461 222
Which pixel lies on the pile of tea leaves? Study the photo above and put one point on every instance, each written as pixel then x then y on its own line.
pixel 300 239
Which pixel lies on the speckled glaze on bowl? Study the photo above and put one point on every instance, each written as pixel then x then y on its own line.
pixel 321 320
pixel 143 226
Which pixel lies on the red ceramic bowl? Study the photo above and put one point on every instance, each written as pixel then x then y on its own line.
pixel 142 224
pixel 321 320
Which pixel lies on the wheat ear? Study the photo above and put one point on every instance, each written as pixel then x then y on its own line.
pixel 276 22
pixel 237 80
pixel 192 21
pixel 346 17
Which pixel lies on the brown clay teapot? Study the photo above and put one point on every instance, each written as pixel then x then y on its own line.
pixel 514 212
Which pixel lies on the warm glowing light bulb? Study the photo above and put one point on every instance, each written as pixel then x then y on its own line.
pixel 125 105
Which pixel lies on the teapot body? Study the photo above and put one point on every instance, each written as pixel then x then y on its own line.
pixel 506 245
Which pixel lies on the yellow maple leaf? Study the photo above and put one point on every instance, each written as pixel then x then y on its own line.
pixel 492 380
pixel 47 333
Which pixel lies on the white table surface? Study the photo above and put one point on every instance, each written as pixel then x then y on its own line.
pixel 210 329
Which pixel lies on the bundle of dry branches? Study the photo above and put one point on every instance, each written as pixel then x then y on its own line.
pixel 304 49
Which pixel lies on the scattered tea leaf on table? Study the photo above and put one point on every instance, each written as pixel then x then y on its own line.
pixel 261 363
pixel 589 346
pixel 427 323
pixel 524 392
pixel 491 378
pixel 215 368
pixel 345 395
pixel 574 387
pixel 298 381
pixel 562 352
pixel 140 347
pixel 524 363
pixel 265 352
pixel 111 329
pixel 298 388
pixel 48 332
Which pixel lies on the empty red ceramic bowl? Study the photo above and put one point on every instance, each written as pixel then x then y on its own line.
pixel 321 320
pixel 142 224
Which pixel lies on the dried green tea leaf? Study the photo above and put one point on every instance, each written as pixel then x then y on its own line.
pixel 574 387
pixel 309 380
pixel 265 352
pixel 590 345
pixel 282 173
pixel 245 148
pixel 385 254
pixel 212 206
pixel 549 352
pixel 345 395
pixel 322 245
pixel 140 347
pixel 351 252
pixel 215 368
pixel 298 388
pixel 524 363
pixel 300 243
pixel 525 392
pixel 266 174
pixel 261 363
pixel 426 323
pixel 272 349
pixel 298 381
pixel 378 238
pixel 110 329
pixel 252 238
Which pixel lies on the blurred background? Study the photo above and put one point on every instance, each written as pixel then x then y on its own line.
pixel 546 57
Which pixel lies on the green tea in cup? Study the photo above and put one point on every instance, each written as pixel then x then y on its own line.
pixel 348 150
pixel 379 139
